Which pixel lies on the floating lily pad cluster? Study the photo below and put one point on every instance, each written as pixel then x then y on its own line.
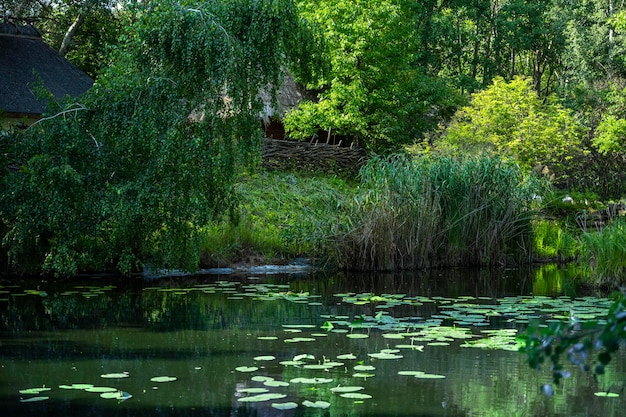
pixel 321 382
pixel 105 392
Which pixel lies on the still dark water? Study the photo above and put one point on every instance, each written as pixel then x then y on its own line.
pixel 357 345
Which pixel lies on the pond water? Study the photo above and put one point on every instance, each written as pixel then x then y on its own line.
pixel 429 344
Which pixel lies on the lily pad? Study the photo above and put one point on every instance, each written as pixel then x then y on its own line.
pixel 31 391
pixel 118 395
pixel 311 380
pixel 76 386
pixel 246 369
pixel 115 375
pixel 299 339
pixel 316 404
pixel 163 379
pixel 285 406
pixel 356 395
pixel 346 356
pixel 265 358
pixel 357 336
pixel 101 389
pixel 255 390
pixel 276 384
pixel 344 389
pixel 384 355
pixel 33 399
pixel 262 397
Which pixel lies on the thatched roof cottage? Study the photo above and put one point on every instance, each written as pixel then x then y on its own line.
pixel 24 59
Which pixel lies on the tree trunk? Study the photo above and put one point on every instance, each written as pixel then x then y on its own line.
pixel 67 39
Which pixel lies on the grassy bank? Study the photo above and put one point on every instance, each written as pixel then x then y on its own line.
pixel 399 214
pixel 409 214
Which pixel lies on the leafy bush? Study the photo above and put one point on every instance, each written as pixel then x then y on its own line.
pixel 508 118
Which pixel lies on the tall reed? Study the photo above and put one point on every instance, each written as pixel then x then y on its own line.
pixel 424 212
pixel 604 253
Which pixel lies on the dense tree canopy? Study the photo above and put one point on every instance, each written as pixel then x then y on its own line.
pixel 129 174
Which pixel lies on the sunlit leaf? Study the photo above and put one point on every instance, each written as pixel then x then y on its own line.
pixel 262 397
pixel 33 399
pixel 31 391
pixel 163 379
pixel 246 369
pixel 347 389
pixel 316 404
pixel 285 406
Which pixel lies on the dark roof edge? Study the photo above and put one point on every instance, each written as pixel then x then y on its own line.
pixel 10 29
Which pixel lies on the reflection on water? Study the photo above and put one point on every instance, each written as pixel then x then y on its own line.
pixel 202 329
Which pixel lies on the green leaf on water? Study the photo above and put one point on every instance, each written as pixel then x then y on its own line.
pixel 311 380
pixel 163 379
pixel 267 338
pixel 264 358
pixel 357 336
pixel 355 395
pixel 346 388
pixel 100 389
pixel 254 390
pixel 276 384
pixel 261 378
pixel 116 375
pixel 606 394
pixel 316 404
pixel 246 368
pixel 31 391
pixel 285 406
pixel 300 339
pixel 262 397
pixel 33 399
pixel 364 368
pixel 76 386
pixel 384 355
pixel 118 395
pixel 421 375
pixel 346 356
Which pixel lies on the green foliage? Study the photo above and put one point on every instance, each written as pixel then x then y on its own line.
pixel 554 241
pixel 421 212
pixel 131 175
pixel 373 91
pixel 280 216
pixel 604 253
pixel 509 118
pixel 611 135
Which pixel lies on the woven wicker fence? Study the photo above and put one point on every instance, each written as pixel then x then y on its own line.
pixel 286 154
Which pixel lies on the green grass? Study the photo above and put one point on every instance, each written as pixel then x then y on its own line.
pixel 281 215
pixel 554 241
pixel 604 253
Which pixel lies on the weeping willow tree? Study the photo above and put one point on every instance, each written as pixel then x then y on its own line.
pixel 127 176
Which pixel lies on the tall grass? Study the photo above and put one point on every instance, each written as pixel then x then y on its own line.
pixel 425 212
pixel 604 253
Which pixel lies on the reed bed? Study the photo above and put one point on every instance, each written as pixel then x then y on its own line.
pixel 604 253
pixel 424 212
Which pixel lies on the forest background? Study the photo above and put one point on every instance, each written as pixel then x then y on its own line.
pixel 158 165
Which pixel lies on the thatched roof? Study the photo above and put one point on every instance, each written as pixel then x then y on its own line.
pixel 22 55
